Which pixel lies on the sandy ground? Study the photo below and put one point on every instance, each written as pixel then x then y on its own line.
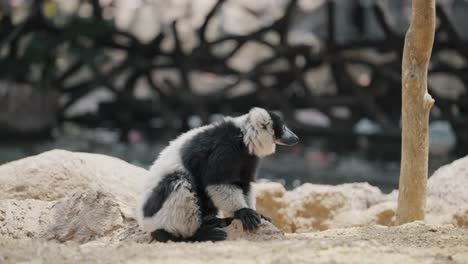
pixel 411 243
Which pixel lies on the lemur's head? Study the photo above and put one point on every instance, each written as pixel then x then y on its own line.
pixel 263 130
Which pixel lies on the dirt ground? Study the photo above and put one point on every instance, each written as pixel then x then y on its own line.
pixel 411 243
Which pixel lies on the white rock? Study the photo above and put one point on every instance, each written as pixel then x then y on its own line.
pixel 57 174
pixel 447 192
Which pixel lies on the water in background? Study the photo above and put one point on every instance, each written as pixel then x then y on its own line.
pixel 314 160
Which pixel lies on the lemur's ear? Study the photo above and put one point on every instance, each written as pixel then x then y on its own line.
pixel 254 109
pixel 258 116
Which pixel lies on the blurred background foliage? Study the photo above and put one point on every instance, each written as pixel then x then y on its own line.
pixel 122 77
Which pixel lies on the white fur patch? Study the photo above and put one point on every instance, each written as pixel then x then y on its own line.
pixel 257 127
pixel 227 198
pixel 179 215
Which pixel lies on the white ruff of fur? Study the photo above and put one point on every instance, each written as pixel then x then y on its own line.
pixel 258 140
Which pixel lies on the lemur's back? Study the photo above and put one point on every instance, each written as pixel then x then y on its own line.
pixel 224 137
pixel 169 160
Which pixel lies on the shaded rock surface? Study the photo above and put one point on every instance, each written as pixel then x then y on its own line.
pixel 82 217
pixel 58 174
pixel 85 216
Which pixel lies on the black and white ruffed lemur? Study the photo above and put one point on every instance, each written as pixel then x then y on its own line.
pixel 207 170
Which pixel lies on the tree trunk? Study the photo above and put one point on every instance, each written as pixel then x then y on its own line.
pixel 416 105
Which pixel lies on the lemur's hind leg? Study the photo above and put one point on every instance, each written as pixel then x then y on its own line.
pixel 162 235
pixel 210 230
pixel 204 233
pixel 208 233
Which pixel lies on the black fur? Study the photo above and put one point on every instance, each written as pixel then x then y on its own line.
pixel 207 233
pixel 219 156
pixel 204 233
pixel 266 218
pixel 161 192
pixel 214 221
pixel 210 230
pixel 249 218
pixel 277 124
pixel 208 210
pixel 162 235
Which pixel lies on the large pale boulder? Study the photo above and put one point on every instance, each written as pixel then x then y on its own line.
pixel 57 174
pixel 69 196
pixel 81 217
pixel 447 193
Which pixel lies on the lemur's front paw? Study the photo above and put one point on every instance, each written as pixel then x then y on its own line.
pixel 249 218
pixel 266 218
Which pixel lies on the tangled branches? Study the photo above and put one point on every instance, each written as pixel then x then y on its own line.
pixel 93 43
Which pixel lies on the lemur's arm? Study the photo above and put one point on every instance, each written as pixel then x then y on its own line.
pixel 224 186
pixel 250 197
pixel 251 201
pixel 230 199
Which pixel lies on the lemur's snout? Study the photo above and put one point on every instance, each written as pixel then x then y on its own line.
pixel 288 138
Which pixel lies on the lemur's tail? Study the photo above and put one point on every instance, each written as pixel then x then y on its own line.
pixel 161 192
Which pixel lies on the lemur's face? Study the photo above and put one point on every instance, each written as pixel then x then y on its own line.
pixel 281 133
pixel 264 130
